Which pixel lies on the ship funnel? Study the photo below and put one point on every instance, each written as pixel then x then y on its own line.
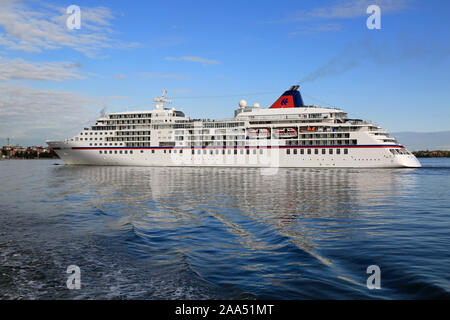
pixel 290 99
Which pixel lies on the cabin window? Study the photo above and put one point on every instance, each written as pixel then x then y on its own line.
pixel 309 151
pixel 302 151
pixel 316 151
pixel 131 151
pixel 100 151
pixel 330 151
pixel 153 151
pixel 345 151
pixel 324 151
pixel 288 151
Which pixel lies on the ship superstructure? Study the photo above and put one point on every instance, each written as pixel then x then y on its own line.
pixel 287 134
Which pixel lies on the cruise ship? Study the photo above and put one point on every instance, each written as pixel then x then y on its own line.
pixel 287 134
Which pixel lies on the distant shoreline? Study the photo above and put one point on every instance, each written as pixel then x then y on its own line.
pixel 432 154
pixel 42 158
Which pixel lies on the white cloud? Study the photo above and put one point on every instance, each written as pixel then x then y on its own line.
pixel 316 28
pixel 178 91
pixel 196 59
pixel 120 76
pixel 47 112
pixel 32 114
pixel 40 27
pixel 349 9
pixel 160 75
pixel 19 69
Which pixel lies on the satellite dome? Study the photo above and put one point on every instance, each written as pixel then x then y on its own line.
pixel 242 104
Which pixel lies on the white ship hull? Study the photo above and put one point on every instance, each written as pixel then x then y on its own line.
pixel 357 157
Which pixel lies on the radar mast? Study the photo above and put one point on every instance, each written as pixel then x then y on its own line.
pixel 161 100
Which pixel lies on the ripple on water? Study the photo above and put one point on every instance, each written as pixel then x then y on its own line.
pixel 202 233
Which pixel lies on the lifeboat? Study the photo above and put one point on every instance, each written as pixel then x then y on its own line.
pixel 253 133
pixel 263 133
pixel 258 133
pixel 285 133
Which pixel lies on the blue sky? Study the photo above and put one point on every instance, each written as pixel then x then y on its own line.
pixel 211 54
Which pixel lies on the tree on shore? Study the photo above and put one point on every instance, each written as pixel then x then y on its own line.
pixel 432 154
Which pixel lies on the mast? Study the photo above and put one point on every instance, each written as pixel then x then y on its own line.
pixel 159 101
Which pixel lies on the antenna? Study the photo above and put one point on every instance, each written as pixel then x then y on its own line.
pixel 161 100
pixel 7 141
